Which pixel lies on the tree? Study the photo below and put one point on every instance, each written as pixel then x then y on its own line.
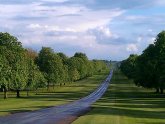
pixel 99 65
pixel 73 72
pixel 5 72
pixel 63 57
pixel 160 51
pixel 19 73
pixel 39 80
pixel 12 50
pixel 146 70
pixel 51 64
pixel 128 66
pixel 149 66
pixel 82 64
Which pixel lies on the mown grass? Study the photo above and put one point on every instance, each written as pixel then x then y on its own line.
pixel 124 103
pixel 58 95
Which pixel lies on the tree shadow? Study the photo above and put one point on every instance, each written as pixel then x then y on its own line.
pixel 123 98
pixel 128 112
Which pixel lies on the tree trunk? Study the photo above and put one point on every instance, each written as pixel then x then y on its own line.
pixel 5 93
pixel 27 92
pixel 157 90
pixel 161 90
pixel 36 91
pixel 18 94
pixel 48 86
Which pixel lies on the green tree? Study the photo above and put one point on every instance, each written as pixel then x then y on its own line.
pixel 51 64
pixel 12 51
pixel 5 72
pixel 150 65
pixel 19 73
pixel 73 72
pixel 160 51
pixel 146 71
pixel 82 64
pixel 64 59
pixel 128 66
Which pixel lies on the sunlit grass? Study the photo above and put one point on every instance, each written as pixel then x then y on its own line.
pixel 58 95
pixel 124 103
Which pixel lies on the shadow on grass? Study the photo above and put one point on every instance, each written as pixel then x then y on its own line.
pixel 128 112
pixel 59 96
pixel 65 97
pixel 25 109
pixel 125 99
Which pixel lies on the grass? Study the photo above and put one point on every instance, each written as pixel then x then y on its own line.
pixel 57 96
pixel 124 103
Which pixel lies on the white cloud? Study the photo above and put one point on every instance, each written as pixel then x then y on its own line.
pixel 151 40
pixel 34 26
pixel 139 39
pixel 98 31
pixel 132 48
pixel 150 30
pixel 106 31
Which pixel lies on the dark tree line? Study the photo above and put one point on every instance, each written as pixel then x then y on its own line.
pixel 25 69
pixel 148 69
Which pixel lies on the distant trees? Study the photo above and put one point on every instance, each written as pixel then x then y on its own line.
pixel 51 65
pixel 148 69
pixel 128 66
pixel 25 69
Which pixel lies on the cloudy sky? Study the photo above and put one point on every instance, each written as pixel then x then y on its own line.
pixel 103 29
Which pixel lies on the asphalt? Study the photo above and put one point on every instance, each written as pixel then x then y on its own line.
pixel 63 114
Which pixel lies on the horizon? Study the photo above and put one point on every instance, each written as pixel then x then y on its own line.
pixel 107 29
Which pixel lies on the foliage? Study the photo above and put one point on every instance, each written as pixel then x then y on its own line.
pixel 25 69
pixel 148 69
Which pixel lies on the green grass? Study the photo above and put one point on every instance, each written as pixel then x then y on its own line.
pixel 57 96
pixel 124 103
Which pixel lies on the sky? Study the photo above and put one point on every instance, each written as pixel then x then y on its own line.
pixel 103 29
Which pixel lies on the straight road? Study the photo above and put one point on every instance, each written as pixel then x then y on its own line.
pixel 62 114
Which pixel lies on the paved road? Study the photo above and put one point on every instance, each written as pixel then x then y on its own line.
pixel 62 114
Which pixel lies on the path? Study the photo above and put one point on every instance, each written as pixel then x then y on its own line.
pixel 62 114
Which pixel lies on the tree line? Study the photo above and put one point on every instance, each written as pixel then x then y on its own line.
pixel 25 69
pixel 148 69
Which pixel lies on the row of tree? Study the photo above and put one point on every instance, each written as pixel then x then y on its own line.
pixel 25 69
pixel 148 69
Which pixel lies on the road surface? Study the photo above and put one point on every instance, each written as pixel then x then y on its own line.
pixel 62 114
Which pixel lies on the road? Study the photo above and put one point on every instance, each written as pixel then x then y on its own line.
pixel 62 114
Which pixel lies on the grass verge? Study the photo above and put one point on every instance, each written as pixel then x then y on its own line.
pixel 124 103
pixel 58 95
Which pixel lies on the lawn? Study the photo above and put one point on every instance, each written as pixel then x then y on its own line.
pixel 124 103
pixel 57 96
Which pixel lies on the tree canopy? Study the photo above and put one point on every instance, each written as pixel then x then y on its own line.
pixel 148 69
pixel 25 69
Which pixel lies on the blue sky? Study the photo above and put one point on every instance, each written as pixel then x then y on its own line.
pixel 103 29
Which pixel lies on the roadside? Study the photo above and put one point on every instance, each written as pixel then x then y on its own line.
pixel 124 103
pixel 57 96
pixel 68 112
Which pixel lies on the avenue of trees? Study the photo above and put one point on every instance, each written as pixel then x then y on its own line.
pixel 24 69
pixel 148 69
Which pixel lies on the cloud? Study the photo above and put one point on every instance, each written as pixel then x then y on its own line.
pixel 34 26
pixel 69 15
pixel 105 29
pixel 11 2
pixel 106 4
pixel 132 48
